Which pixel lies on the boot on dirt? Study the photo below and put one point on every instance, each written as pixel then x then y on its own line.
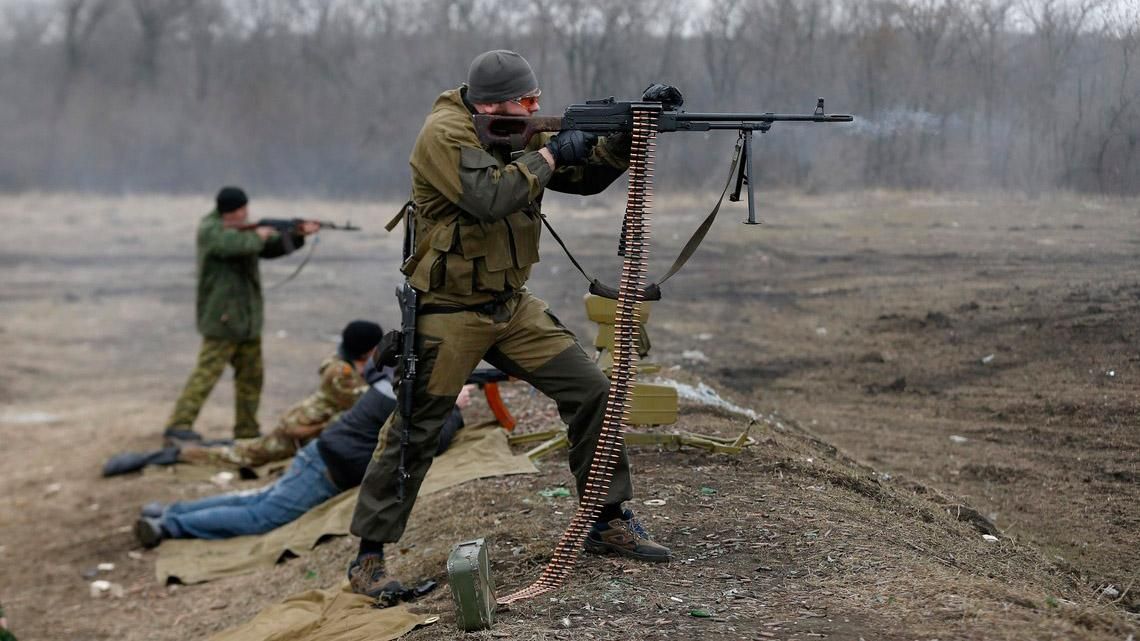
pixel 177 435
pixel 366 576
pixel 625 536
pixel 149 531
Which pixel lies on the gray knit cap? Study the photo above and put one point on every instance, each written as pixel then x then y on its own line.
pixel 496 76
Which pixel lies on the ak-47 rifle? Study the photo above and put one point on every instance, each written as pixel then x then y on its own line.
pixel 288 225
pixel 287 228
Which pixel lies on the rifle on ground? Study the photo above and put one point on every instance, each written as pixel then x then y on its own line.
pixel 488 380
pixel 289 225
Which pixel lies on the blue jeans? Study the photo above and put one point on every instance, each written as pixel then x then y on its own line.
pixel 304 486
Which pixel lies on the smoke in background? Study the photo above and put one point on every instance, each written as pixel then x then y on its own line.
pixel 324 97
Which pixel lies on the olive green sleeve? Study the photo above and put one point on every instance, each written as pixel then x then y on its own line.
pixel 448 155
pixel 490 192
pixel 608 161
pixel 231 243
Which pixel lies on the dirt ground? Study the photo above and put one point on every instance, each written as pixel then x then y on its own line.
pixel 930 368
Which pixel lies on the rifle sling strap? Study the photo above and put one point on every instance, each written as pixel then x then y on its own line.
pixel 304 261
pixel 652 291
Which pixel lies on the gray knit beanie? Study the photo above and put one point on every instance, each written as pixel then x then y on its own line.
pixel 496 76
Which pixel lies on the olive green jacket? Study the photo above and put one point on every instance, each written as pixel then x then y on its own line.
pixel 478 211
pixel 230 305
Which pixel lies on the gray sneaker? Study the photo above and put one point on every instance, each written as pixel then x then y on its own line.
pixel 626 536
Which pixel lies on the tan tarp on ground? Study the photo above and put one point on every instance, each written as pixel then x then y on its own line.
pixel 326 615
pixel 477 452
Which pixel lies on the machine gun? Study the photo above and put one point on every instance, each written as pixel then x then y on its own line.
pixel 610 116
pixel 288 225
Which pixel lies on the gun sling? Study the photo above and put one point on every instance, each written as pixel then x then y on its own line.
pixel 652 291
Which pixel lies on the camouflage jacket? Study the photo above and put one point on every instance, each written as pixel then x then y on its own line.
pixel 478 211
pixel 340 386
pixel 230 306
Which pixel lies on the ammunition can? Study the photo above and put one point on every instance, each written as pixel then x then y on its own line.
pixel 469 573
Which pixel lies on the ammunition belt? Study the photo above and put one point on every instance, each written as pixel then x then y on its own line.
pixel 635 241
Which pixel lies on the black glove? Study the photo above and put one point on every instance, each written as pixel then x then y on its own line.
pixel 571 147
pixel 669 96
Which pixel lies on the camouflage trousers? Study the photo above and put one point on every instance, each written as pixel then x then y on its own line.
pixel 522 339
pixel 247 452
pixel 245 357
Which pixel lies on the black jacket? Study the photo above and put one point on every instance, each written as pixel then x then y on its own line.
pixel 346 446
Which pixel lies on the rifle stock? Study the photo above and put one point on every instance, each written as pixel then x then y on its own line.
pixel 513 131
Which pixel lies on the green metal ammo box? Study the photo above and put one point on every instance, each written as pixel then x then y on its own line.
pixel 469 573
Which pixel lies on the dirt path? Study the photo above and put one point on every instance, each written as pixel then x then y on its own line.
pixel 957 350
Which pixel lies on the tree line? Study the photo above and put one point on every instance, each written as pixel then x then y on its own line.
pixel 324 97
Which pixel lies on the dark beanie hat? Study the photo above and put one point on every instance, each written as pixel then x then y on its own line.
pixel 231 199
pixel 358 338
pixel 499 75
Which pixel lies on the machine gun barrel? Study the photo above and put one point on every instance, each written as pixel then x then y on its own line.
pixel 764 117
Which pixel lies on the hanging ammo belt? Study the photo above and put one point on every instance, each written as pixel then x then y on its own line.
pixel 635 241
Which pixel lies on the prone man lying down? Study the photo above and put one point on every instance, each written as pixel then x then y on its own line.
pixel 332 463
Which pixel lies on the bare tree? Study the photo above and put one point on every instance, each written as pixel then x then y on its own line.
pixel 80 18
pixel 155 19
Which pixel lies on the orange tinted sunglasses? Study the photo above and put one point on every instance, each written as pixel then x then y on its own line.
pixel 529 101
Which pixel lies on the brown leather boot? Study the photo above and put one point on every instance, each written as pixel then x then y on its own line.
pixel 627 537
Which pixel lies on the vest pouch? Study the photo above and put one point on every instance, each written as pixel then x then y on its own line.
pixel 486 280
pixel 525 232
pixel 496 246
pixel 459 275
pixel 431 272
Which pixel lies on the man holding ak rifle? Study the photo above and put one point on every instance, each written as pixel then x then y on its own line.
pixel 476 225
pixel 230 311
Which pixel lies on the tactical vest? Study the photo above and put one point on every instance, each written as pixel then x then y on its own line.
pixel 457 255
pixel 461 256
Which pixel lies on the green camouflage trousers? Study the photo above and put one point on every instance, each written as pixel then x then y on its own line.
pixel 245 357
pixel 247 452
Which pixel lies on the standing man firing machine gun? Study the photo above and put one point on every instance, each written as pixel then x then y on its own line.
pixel 471 236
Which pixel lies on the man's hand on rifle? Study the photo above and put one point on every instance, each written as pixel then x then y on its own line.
pixel 264 231
pixel 669 96
pixel 308 227
pixel 571 147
